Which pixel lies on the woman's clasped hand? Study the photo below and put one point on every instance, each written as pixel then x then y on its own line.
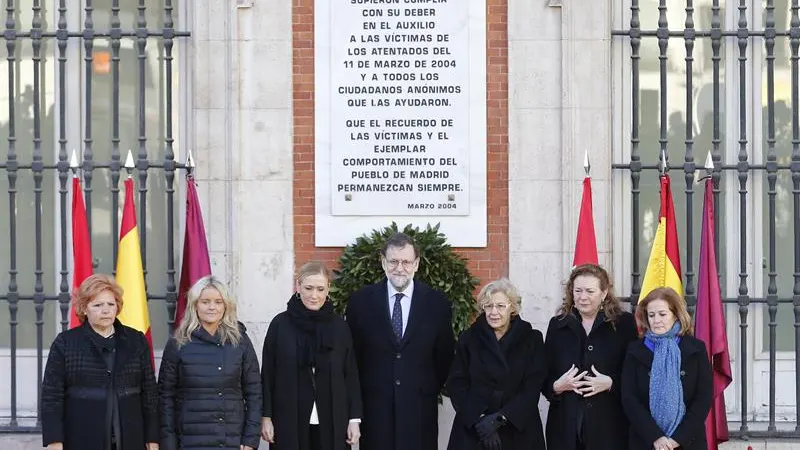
pixel 584 383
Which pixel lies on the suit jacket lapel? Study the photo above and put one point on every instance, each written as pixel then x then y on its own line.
pixel 384 312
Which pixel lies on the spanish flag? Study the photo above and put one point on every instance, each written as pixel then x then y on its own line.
pixel 664 266
pixel 129 270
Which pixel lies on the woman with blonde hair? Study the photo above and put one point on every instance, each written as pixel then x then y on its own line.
pixel 585 346
pixel 666 380
pixel 98 377
pixel 209 389
pixel 312 399
pixel 496 377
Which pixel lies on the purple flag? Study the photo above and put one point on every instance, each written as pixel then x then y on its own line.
pixel 196 263
pixel 710 326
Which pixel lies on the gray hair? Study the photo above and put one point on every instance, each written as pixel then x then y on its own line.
pixel 228 327
pixel 503 286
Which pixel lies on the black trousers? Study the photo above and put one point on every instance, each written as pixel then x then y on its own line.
pixel 314 442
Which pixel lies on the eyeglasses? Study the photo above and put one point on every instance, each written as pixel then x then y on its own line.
pixel 393 263
pixel 500 307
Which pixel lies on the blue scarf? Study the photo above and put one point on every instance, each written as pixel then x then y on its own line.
pixel 666 390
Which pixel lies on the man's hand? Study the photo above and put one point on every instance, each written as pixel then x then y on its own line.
pixel 353 433
pixel 267 430
pixel 592 385
pixel 245 447
pixel 151 446
pixel 55 446
pixel 569 381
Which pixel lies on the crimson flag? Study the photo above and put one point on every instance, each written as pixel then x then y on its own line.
pixel 710 326
pixel 81 245
pixel 585 242
pixel 196 263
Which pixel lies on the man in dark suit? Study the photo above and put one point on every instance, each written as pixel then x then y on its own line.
pixel 404 346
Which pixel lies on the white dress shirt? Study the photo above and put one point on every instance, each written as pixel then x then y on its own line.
pixel 405 302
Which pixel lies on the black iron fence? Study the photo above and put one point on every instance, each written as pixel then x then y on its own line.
pixel 98 75
pixel 686 63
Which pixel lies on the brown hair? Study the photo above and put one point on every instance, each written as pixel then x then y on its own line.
pixel 676 304
pixel 91 288
pixel 610 306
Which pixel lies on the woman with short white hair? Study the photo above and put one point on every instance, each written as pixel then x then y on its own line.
pixel 209 385
pixel 496 377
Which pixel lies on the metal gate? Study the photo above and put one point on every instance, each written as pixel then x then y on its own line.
pixel 100 77
pixel 757 162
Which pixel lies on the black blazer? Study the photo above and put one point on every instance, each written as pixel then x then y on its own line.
pixel 605 426
pixel 503 376
pixel 400 381
pixel 338 391
pixel 697 386
pixel 75 388
pixel 209 394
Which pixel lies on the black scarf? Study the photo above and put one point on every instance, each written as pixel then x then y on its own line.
pixel 492 353
pixel 107 347
pixel 315 330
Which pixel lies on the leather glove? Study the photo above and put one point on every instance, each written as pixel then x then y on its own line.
pixel 492 442
pixel 489 424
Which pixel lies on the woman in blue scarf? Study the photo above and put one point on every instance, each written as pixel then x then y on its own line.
pixel 666 378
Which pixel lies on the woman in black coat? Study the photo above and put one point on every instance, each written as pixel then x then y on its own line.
pixel 208 385
pixel 98 377
pixel 585 347
pixel 312 398
pixel 496 377
pixel 666 381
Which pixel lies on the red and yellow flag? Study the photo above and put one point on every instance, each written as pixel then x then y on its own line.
pixel 129 270
pixel 664 266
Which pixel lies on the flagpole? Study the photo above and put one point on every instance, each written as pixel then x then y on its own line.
pixel 129 164
pixel 585 238
pixel 586 166
pixel 196 262
pixel 73 163
pixel 189 164
pixel 130 273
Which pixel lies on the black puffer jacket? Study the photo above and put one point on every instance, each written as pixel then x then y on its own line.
pixel 209 394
